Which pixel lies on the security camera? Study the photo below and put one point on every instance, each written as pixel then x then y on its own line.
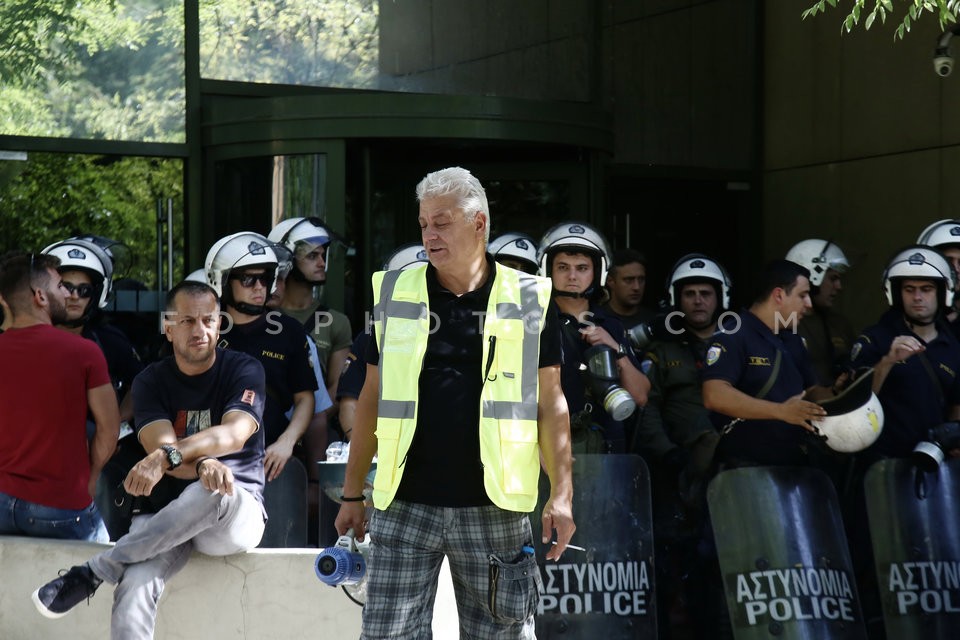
pixel 942 58
pixel 943 63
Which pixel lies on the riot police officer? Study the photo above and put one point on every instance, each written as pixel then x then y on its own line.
pixel 575 256
pixel 87 272
pixel 515 250
pixel 308 239
pixel 915 357
pixel 944 236
pixel 676 436
pixel 675 428
pixel 759 382
pixel 241 268
pixel 827 333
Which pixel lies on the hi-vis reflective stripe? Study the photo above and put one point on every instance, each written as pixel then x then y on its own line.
pixel 529 312
pixel 502 410
pixel 399 409
pixel 508 311
pixel 387 306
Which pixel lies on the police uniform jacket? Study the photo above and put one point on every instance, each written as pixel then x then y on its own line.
pixel 919 391
pixel 674 414
pixel 746 358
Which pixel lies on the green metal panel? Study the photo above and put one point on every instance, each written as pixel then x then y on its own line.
pixel 232 120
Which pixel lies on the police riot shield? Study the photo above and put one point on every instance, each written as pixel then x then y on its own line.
pixel 285 500
pixel 914 518
pixel 783 555
pixel 604 588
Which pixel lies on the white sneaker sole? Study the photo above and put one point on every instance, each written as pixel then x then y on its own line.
pixel 46 613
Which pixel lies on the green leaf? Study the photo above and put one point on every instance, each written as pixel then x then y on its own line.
pixel 899 34
pixel 887 5
pixel 870 18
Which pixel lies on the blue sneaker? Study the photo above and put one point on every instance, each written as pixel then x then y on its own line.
pixel 58 596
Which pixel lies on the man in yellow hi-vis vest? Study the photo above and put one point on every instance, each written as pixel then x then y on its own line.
pixel 462 403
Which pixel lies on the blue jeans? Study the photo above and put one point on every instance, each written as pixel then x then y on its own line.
pixel 21 518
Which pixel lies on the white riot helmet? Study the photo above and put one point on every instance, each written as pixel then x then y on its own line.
pixel 406 257
pixel 198 275
pixel 941 233
pixel 88 257
pixel 294 232
pixel 237 251
pixel 854 418
pixel 516 246
pixel 576 237
pixel 695 267
pixel 919 262
pixel 818 256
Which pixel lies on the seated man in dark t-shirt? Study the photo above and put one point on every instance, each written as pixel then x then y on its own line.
pixel 198 416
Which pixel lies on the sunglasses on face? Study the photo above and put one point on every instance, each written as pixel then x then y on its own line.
pixel 247 280
pixel 82 290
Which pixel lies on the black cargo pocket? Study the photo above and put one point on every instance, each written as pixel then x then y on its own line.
pixel 512 590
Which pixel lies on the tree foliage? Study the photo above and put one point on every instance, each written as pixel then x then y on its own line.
pixel 114 69
pixel 54 196
pixel 870 10
pixel 98 69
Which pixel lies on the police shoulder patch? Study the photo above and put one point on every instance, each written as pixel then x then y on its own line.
pixel 713 354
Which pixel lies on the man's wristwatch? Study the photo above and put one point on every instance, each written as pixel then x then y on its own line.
pixel 174 457
pixel 621 351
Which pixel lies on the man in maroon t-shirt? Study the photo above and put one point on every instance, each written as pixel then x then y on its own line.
pixel 48 380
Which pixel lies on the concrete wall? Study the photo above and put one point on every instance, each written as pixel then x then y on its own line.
pixel 263 594
pixel 862 141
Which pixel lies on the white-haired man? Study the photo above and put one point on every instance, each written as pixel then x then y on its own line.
pixel 459 415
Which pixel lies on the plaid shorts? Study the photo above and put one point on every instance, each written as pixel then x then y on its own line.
pixel 495 581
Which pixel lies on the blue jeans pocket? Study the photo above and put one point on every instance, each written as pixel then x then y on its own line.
pixel 64 524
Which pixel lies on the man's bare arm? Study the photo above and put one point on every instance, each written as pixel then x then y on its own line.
pixel 102 402
pixel 363 446
pixel 553 422
pixel 723 397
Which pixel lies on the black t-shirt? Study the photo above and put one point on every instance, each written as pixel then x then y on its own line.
pixel 354 372
pixel 280 344
pixel 443 466
pixel 122 359
pixel 235 382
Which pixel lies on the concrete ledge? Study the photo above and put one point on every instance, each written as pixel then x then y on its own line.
pixel 262 594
